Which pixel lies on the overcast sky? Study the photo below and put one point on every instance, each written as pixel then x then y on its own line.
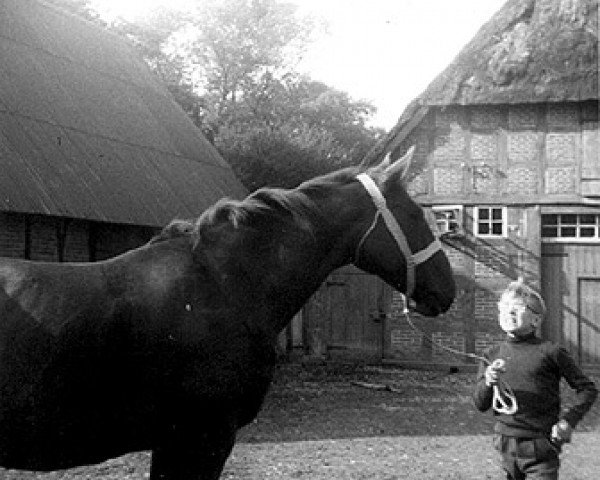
pixel 388 51
pixel 384 51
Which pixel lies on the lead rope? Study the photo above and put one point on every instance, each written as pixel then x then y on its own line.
pixel 504 400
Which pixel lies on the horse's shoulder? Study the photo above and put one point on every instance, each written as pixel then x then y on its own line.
pixel 15 274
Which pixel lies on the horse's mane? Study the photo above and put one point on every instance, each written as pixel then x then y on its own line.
pixel 266 204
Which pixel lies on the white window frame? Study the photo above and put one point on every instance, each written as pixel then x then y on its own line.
pixel 504 221
pixel 444 225
pixel 577 225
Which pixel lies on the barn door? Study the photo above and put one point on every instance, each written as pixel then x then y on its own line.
pixel 571 288
pixel 589 321
pixel 347 315
pixel 358 306
pixel 554 291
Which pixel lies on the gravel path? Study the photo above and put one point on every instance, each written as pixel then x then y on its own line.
pixel 465 457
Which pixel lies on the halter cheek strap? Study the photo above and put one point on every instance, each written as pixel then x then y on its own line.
pixel 412 260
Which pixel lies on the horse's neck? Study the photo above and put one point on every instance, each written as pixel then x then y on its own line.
pixel 300 272
pixel 290 268
pixel 282 277
pixel 307 264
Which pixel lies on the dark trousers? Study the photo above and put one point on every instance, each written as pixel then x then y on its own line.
pixel 528 457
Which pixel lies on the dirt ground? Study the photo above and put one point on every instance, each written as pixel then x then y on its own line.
pixel 321 422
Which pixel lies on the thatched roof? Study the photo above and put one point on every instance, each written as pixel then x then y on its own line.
pixel 87 131
pixel 529 51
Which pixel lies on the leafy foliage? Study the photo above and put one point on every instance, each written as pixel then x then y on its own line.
pixel 306 129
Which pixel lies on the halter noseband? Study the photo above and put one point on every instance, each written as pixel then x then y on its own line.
pixel 412 259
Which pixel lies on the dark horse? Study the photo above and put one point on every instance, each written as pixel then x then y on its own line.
pixel 171 347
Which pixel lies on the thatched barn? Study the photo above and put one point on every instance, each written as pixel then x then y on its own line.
pixel 94 152
pixel 507 166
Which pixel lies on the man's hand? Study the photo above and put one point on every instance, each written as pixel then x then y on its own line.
pixel 562 432
pixel 493 371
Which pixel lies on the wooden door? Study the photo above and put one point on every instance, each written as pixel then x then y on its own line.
pixel 571 288
pixel 554 291
pixel 589 321
pixel 347 315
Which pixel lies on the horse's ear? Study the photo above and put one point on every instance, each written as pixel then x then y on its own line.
pixel 385 163
pixel 400 167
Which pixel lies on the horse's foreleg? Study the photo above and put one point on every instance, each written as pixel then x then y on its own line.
pixel 191 460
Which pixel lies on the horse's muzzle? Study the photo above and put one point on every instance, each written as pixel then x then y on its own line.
pixel 431 305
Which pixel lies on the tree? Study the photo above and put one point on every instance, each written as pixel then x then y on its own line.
pixel 312 129
pixel 241 49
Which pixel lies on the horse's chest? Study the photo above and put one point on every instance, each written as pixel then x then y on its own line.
pixel 233 376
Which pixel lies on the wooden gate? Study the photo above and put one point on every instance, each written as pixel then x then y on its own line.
pixel 346 316
pixel 571 288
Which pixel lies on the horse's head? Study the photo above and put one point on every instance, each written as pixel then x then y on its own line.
pixel 396 242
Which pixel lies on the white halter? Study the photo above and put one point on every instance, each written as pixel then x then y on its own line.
pixel 412 259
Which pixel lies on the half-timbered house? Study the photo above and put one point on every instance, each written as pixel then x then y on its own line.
pixel 507 166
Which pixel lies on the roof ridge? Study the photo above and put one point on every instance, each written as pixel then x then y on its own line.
pixel 72 16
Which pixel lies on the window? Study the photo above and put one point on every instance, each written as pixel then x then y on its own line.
pixel 490 222
pixel 448 219
pixel 581 227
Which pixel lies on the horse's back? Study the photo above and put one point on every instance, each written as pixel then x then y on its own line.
pixel 45 292
pixel 68 378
